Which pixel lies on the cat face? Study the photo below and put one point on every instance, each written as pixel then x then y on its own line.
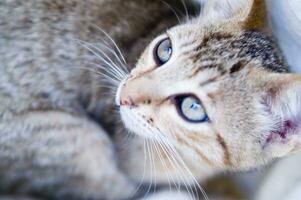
pixel 215 91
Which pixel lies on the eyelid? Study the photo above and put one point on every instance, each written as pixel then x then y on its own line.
pixel 167 33
pixel 173 44
pixel 170 37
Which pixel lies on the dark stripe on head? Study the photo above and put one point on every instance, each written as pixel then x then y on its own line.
pixel 214 37
pixel 201 68
pixel 256 45
pixel 237 66
pixel 219 67
pixel 247 45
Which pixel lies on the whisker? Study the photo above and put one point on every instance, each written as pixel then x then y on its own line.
pixel 111 39
pixel 154 168
pixel 144 166
pixel 102 75
pixel 186 168
pixel 186 9
pixel 150 185
pixel 102 59
pixel 104 54
pixel 173 10
pixel 122 64
pixel 176 166
pixel 113 66
pixel 110 72
pixel 171 158
pixel 157 149
pixel 174 157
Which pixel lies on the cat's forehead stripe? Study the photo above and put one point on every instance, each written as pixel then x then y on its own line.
pixel 201 68
pixel 214 36
pixel 244 47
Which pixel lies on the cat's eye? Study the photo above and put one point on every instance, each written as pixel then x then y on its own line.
pixel 163 51
pixel 191 109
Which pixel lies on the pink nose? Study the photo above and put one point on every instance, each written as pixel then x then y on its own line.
pixel 125 99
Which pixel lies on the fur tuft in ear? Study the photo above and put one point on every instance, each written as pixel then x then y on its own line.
pixel 282 99
pixel 227 9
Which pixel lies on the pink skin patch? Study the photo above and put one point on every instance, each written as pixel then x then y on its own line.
pixel 287 127
pixel 284 131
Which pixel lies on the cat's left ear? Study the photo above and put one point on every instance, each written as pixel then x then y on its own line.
pixel 280 97
pixel 237 10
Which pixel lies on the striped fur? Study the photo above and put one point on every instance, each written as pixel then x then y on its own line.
pixel 51 141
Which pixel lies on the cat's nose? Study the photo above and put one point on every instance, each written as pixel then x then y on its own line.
pixel 135 92
pixel 125 99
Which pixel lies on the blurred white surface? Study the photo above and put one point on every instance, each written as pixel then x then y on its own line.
pixel 283 182
pixel 168 195
pixel 285 20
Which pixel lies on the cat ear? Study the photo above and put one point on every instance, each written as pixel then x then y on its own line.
pixel 281 99
pixel 227 9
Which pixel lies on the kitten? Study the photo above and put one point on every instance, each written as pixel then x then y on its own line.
pixel 213 95
pixel 52 141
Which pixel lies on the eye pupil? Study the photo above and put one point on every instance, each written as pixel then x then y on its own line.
pixel 194 106
pixel 168 50
pixel 190 108
pixel 163 51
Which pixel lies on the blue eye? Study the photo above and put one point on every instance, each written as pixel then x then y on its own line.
pixel 190 108
pixel 163 51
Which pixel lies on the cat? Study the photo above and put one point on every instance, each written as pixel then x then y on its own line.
pixel 219 98
pixel 59 138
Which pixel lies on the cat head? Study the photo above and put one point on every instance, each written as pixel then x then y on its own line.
pixel 216 91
